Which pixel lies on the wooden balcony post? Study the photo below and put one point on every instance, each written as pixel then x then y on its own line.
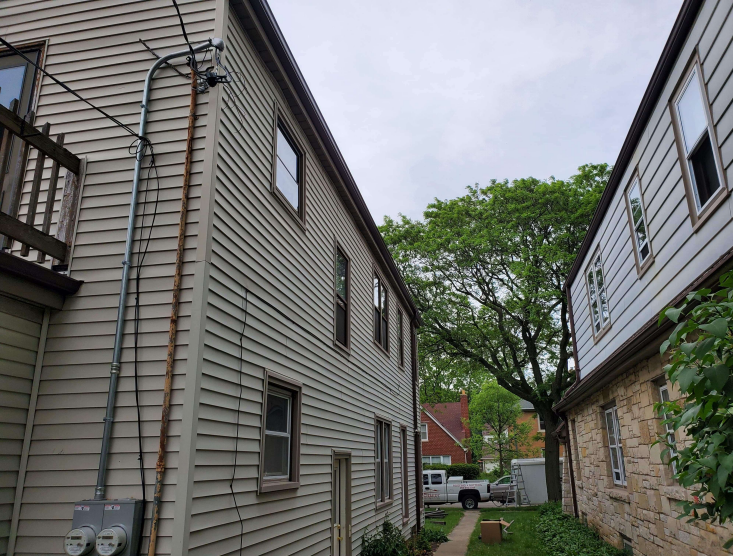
pixel 17 186
pixel 7 140
pixel 35 189
pixel 51 197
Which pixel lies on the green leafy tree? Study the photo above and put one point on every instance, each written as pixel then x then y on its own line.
pixel 442 377
pixel 487 269
pixel 495 430
pixel 701 364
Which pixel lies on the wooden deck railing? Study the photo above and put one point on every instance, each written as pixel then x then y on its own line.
pixel 25 232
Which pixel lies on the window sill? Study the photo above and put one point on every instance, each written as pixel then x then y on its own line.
pixel 641 270
pixel 338 346
pixel 597 337
pixel 273 486
pixel 674 492
pixel 383 505
pixel 618 493
pixel 385 352
pixel 698 220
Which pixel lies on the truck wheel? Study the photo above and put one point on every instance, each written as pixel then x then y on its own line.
pixel 470 503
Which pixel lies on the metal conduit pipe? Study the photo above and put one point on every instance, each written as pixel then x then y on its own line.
pixel 117 349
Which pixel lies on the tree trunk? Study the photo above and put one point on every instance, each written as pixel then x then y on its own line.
pixel 552 458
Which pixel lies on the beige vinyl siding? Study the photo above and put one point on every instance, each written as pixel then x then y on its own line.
pixel 680 255
pixel 20 332
pixel 93 47
pixel 258 246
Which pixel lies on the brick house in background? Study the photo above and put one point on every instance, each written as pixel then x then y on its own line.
pixel 444 427
pixel 536 448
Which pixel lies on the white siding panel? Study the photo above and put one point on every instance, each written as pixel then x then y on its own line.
pixel 680 255
pixel 288 271
pixel 93 47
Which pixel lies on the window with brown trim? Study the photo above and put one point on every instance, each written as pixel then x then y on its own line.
pixel 17 83
pixel 383 460
pixel 403 445
pixel 381 313
pixel 342 269
pixel 613 434
pixel 637 221
pixel 596 282
pixel 289 170
pixel 401 338
pixel 280 452
pixel 697 144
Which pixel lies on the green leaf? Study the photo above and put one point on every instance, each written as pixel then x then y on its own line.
pixel 671 313
pixel 727 462
pixel 728 543
pixel 718 376
pixel 704 347
pixel 663 347
pixel 719 327
pixel 685 377
pixel 722 476
pixel 689 414
pixel 687 348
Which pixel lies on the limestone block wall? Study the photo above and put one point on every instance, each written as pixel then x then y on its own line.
pixel 645 511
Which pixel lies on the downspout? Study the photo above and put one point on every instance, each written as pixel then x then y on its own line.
pixel 160 465
pixel 572 333
pixel 117 348
pixel 416 435
pixel 569 450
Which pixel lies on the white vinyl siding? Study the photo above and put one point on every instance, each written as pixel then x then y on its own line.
pixel 613 435
pixel 94 47
pixel 680 255
pixel 289 274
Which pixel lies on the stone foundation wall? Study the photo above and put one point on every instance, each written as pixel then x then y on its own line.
pixel 645 510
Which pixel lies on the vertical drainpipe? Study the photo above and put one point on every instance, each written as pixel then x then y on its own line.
pixel 416 425
pixel 568 444
pixel 572 333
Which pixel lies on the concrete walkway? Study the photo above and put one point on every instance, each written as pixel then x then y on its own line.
pixel 458 539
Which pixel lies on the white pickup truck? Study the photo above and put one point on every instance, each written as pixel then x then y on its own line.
pixel 437 490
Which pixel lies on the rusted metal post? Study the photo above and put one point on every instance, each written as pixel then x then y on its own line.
pixel 51 197
pixel 35 189
pixel 160 464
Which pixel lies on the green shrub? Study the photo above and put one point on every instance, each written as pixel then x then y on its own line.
pixel 388 541
pixel 700 364
pixel 469 471
pixel 433 535
pixel 563 535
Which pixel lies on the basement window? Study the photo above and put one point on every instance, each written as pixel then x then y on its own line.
pixel 280 453
pixel 669 428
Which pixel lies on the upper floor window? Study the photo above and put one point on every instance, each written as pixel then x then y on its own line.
pixel 381 313
pixel 383 460
pixel 597 295
pixel 637 218
pixel 401 339
pixel 289 174
pixel 341 298
pixel 618 469
pixel 424 432
pixel 701 167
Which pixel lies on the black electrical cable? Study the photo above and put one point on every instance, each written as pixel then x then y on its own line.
pixel 69 89
pixel 141 149
pixel 185 36
pixel 239 406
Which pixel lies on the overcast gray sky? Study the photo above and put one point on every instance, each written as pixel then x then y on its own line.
pixel 425 97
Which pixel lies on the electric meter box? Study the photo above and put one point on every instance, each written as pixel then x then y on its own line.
pixel 125 513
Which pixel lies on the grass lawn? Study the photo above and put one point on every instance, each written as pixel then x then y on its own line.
pixel 523 541
pixel 452 517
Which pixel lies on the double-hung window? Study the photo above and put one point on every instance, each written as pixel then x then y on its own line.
pixel 403 445
pixel 668 427
pixel 431 460
pixel 401 339
pixel 289 174
pixel 637 219
pixel 341 298
pixel 381 313
pixel 614 446
pixel 424 432
pixel 280 453
pixel 701 161
pixel 597 295
pixel 383 460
